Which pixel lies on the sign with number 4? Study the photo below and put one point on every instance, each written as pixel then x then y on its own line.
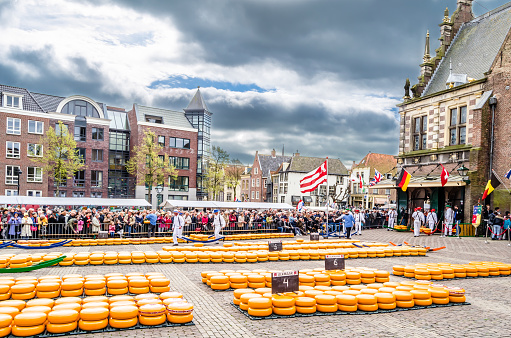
pixel 286 281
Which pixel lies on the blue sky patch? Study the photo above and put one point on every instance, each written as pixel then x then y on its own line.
pixel 183 81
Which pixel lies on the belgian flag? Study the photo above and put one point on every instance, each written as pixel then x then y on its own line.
pixel 403 179
pixel 493 183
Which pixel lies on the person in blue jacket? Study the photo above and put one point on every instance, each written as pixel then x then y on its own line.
pixel 349 221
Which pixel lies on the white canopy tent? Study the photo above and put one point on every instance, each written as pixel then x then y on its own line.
pixel 81 201
pixel 170 204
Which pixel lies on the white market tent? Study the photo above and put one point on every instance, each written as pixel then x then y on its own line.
pixel 75 201
pixel 170 204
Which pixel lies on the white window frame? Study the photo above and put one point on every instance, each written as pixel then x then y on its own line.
pixel 36 124
pixel 20 97
pixel 257 195
pixel 256 171
pixel 257 182
pixel 11 192
pixel 252 195
pixel 35 193
pixel 37 145
pixel 253 183
pixel 9 154
pixel 11 180
pixel 35 178
pixel 13 131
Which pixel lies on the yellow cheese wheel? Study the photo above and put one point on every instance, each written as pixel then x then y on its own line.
pixel 457 299
pixel 260 312
pixel 61 328
pixel 95 305
pixel 368 307
pixel 307 309
pixel 326 308
pixel 219 279
pixel 94 314
pixel 325 300
pixel 149 301
pixel 260 303
pixel 68 300
pixel 423 302
pixel 283 301
pixel 284 311
pixel 306 301
pixel 152 310
pixel 47 294
pixel 71 284
pixel 44 309
pixel 9 310
pixel 160 282
pixel 420 294
pixel 5 320
pixel 405 303
pixel 117 283
pixel 95 299
pixel 94 284
pixel 26 331
pixel 366 299
pixel 368 291
pixel 19 304
pixel 123 323
pixel 91 325
pixel 40 302
pixel 30 319
pixel 152 320
pixel 180 319
pixel 387 306
pixel 403 296
pixel 347 308
pixel 47 286
pixel 121 291
pixel 5 331
pixel 63 316
pixel 346 300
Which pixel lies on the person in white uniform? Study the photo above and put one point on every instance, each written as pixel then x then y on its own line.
pixel 178 223
pixel 431 219
pixel 218 223
pixel 359 221
pixel 448 220
pixel 392 219
pixel 418 220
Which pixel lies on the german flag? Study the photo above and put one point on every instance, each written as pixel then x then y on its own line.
pixel 492 184
pixel 403 179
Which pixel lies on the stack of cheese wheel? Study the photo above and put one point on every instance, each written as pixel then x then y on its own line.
pixel 238 293
pixel 5 287
pixel 166 257
pixel 326 303
pixel 29 324
pixel 398 270
pixel 367 302
pixel 138 284
pixel 178 257
pixel 96 258
pixel 123 313
pixel 152 257
pixel 386 300
pixel 68 260
pixel 24 289
pixel 180 312
pixel 347 302
pixel 238 281
pixel 62 321
pixel 337 278
pixel 260 306
pixel 256 281
pixel 382 276
pixel 456 295
pixel 404 299
pixel 191 257
pixel 94 316
pixel 111 257
pixel 48 288
pixel 439 295
pixel 353 277
pixel 367 277
pixel 117 284
pixel 283 305
pixel 244 298
pixel 72 286
pixel 124 257
pixel 306 305
pixel 19 261
pixel 322 279
pixel 421 297
pixel 95 285
pixel 152 314
pixel 137 257
pixel 82 258
pixel 219 282
pixel 5 324
pixel 158 283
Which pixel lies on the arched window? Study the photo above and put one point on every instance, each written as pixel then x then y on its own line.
pixel 80 108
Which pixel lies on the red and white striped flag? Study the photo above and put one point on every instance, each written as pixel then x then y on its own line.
pixel 314 178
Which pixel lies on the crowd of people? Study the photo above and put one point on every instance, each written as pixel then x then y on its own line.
pixel 29 223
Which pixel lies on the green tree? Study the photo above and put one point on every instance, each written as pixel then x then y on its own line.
pixel 148 166
pixel 61 159
pixel 233 173
pixel 215 176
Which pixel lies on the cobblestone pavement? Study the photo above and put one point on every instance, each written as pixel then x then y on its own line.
pixel 215 317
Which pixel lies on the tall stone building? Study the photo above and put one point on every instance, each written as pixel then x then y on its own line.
pixel 458 114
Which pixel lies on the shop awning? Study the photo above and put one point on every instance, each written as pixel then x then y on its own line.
pixel 423 181
pixel 169 204
pixel 74 201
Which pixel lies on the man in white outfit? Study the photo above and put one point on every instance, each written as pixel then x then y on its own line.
pixel 218 223
pixel 418 220
pixel 359 221
pixel 432 219
pixel 178 223
pixel 392 219
pixel 448 220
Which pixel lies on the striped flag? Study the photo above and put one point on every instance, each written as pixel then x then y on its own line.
pixel 314 178
pixel 377 176
pixel 508 175
pixel 300 206
pixel 403 179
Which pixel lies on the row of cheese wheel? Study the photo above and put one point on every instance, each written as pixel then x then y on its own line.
pixel 439 271
pixel 372 297
pixel 137 241
pixel 28 287
pixel 240 279
pixel 91 313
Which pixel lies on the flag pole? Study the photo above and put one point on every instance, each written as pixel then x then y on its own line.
pixel 327 192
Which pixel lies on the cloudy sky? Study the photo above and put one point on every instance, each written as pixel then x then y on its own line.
pixel 318 76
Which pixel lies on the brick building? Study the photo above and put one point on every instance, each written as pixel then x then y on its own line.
pixel 260 184
pixel 104 136
pixel 462 98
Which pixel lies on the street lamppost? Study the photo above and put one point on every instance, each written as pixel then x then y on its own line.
pixel 159 189
pixel 19 172
pixel 463 171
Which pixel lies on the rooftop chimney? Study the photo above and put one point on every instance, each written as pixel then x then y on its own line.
pixel 462 14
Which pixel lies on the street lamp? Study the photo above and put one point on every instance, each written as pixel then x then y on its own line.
pixel 159 189
pixel 18 174
pixel 463 171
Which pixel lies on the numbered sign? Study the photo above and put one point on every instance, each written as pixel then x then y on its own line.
pixel 314 237
pixel 334 262
pixel 286 281
pixel 275 246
